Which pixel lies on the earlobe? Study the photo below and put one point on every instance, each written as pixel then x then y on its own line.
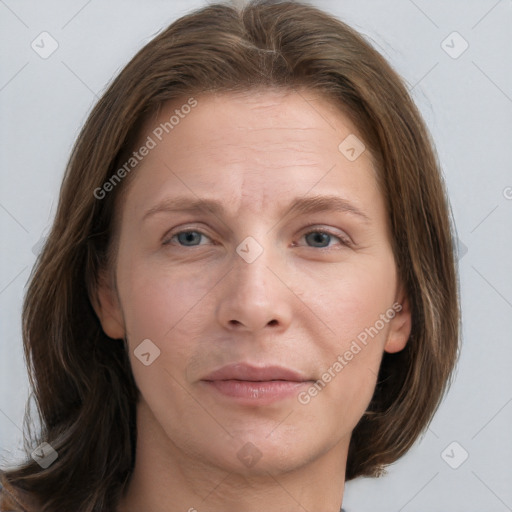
pixel 400 325
pixel 106 305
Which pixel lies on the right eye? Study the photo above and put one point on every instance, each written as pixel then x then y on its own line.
pixel 186 238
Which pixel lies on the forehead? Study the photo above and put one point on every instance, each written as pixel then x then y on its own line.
pixel 272 116
pixel 249 147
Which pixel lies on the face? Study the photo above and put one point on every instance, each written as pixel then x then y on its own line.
pixel 267 311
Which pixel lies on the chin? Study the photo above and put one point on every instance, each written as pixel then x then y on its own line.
pixel 258 453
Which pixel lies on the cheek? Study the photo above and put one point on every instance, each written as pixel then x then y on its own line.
pixel 163 305
pixel 357 308
pixel 353 299
pixel 158 301
pixel 362 322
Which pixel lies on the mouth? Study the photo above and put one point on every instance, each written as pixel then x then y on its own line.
pixel 251 385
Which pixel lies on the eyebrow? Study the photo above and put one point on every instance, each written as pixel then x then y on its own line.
pixel 298 206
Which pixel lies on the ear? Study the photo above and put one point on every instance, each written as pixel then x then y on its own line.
pixel 106 305
pixel 400 324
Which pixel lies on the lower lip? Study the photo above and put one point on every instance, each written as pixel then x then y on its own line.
pixel 257 393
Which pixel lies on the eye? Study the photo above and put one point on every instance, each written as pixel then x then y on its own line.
pixel 188 238
pixel 319 237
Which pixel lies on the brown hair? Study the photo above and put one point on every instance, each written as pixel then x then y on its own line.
pixel 82 381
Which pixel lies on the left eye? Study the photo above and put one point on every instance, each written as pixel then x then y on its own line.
pixel 320 237
pixel 187 237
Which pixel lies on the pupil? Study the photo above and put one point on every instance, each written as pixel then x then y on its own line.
pixel 188 236
pixel 319 237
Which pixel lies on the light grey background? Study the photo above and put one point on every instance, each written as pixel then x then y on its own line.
pixel 467 103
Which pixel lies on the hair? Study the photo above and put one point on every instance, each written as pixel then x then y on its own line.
pixel 81 379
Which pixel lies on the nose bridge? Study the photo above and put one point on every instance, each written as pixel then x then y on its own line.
pixel 250 268
pixel 253 297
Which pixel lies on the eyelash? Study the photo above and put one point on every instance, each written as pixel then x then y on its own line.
pixel 344 241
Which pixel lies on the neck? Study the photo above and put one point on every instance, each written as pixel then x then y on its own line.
pixel 164 477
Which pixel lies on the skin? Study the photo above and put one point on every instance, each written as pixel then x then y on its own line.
pixel 300 304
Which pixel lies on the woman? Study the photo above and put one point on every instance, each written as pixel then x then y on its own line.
pixel 256 368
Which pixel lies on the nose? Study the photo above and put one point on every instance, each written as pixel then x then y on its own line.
pixel 255 296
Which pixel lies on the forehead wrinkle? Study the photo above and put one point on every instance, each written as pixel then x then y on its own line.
pixel 301 157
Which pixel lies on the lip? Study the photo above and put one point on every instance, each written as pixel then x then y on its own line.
pixel 247 372
pixel 251 385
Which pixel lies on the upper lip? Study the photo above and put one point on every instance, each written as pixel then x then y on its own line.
pixel 243 371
